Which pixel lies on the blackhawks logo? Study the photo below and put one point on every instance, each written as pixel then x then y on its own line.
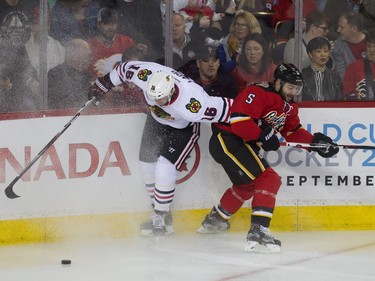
pixel 160 112
pixel 143 74
pixel 193 106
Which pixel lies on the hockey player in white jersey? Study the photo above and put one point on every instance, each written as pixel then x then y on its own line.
pixel 177 106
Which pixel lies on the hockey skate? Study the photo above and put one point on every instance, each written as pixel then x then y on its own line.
pixel 159 224
pixel 259 239
pixel 213 223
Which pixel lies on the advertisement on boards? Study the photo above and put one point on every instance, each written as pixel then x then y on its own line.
pixel 93 167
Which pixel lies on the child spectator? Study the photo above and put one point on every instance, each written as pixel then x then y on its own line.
pixel 359 77
pixel 321 82
pixel 255 63
pixel 197 9
pixel 198 14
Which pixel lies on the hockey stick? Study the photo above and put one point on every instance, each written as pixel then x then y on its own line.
pixel 9 189
pixel 326 145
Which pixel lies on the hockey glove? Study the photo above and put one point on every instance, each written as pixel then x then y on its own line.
pixel 268 138
pixel 331 148
pixel 101 87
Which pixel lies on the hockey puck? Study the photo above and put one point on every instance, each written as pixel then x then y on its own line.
pixel 66 261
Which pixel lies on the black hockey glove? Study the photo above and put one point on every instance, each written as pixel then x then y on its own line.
pixel 331 148
pixel 100 88
pixel 268 138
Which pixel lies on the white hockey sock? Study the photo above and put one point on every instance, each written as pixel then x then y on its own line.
pixel 165 183
pixel 148 175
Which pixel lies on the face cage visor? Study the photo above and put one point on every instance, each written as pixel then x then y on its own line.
pixel 289 90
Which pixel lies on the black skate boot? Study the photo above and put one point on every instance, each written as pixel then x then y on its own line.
pixel 259 239
pixel 159 224
pixel 213 223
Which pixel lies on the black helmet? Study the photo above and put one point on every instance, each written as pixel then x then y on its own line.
pixel 288 72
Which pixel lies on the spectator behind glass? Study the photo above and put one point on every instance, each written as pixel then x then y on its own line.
pixel 55 51
pixel 285 10
pixel 208 74
pixel 13 7
pixel 261 9
pixel 14 33
pixel 244 23
pixel 14 29
pixel 108 45
pixel 28 57
pixel 183 46
pixel 73 19
pixel 317 25
pixel 335 8
pixel 359 77
pixel 351 45
pixel 321 82
pixel 68 83
pixel 142 21
pixel 255 64
pixel 127 94
pixel 195 10
pixel 8 100
pixel 202 22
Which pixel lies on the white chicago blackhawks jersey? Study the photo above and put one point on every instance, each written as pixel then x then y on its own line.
pixel 189 104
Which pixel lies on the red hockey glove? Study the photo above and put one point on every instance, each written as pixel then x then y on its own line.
pixel 331 149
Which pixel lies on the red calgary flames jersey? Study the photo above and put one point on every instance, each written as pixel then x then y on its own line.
pixel 260 101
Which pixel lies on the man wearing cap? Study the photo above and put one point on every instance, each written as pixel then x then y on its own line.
pixel 210 75
pixel 108 45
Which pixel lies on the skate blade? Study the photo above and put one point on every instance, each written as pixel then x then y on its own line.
pixel 252 246
pixel 149 233
pixel 204 230
pixel 169 230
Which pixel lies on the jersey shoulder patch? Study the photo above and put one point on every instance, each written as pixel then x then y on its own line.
pixel 194 105
pixel 143 74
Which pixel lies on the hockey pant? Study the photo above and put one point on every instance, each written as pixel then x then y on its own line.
pixel 162 153
pixel 250 175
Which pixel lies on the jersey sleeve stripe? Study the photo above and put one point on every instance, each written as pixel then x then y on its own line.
pixel 121 71
pixel 239 119
pixel 227 110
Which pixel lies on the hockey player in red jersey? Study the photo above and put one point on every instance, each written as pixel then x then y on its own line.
pixel 257 114
pixel 177 106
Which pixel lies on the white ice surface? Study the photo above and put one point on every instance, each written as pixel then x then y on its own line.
pixel 305 256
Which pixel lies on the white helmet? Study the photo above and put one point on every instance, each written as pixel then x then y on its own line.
pixel 160 85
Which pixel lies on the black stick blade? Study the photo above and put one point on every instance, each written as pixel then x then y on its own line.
pixel 9 190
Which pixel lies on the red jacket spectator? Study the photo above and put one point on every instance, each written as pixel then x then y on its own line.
pixel 285 10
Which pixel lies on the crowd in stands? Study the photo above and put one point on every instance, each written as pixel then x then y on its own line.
pixel 88 38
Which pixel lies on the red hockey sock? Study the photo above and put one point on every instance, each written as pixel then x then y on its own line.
pixel 234 197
